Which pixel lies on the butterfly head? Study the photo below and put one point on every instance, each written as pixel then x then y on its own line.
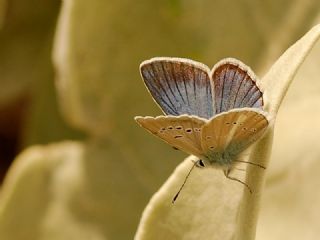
pixel 200 163
pixel 205 162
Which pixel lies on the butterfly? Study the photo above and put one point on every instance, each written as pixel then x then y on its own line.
pixel 212 114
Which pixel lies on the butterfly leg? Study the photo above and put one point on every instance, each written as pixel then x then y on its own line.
pixel 251 163
pixel 239 169
pixel 227 172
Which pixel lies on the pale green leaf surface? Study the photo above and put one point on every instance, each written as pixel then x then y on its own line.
pixel 194 214
pixel 275 84
pixel 67 191
pixel 291 199
pixel 278 79
pixel 298 114
pixel 27 194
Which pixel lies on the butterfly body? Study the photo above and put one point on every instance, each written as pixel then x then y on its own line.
pixel 221 160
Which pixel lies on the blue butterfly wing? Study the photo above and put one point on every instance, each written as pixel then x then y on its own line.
pixel 179 86
pixel 235 86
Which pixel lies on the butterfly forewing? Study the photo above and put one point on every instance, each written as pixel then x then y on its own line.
pixel 182 132
pixel 235 86
pixel 234 131
pixel 179 86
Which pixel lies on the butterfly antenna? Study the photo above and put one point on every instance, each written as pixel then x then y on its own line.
pixel 254 164
pixel 185 180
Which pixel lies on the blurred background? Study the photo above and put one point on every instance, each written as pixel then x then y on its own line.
pixel 28 104
pixel 70 84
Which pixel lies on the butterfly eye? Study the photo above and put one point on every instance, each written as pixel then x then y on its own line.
pixel 200 163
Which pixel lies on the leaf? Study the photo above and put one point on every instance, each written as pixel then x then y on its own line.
pixel 278 79
pixel 290 199
pixel 67 190
pixel 275 84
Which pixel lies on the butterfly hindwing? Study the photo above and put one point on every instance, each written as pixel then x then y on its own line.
pixel 235 86
pixel 179 86
pixel 233 131
pixel 181 132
